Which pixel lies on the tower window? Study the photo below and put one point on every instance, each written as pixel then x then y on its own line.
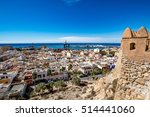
pixel 132 46
pixel 147 45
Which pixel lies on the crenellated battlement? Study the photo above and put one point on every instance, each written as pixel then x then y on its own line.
pixel 141 33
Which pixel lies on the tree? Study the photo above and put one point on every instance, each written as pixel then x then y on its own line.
pixel 112 53
pixel 34 75
pixel 62 69
pixel 79 72
pixel 18 49
pixel 50 86
pixel 60 85
pixel 93 74
pixel 97 71
pixel 46 64
pixel 37 89
pixel 1 59
pixel 43 87
pixel 49 72
pixel 76 81
pixel 40 87
pixel 103 52
pixel 70 67
pixel 104 71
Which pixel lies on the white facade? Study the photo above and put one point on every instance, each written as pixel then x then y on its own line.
pixel 8 75
pixel 86 70
pixel 86 67
pixel 69 55
pixel 96 50
pixel 42 74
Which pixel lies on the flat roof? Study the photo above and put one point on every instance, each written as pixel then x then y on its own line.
pixel 17 88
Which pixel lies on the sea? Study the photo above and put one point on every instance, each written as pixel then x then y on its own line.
pixel 75 46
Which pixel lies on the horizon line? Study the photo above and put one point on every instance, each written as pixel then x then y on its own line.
pixel 63 42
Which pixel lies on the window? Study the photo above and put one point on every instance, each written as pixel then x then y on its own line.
pixel 2 77
pixel 147 46
pixel 39 76
pixel 132 46
pixel 146 49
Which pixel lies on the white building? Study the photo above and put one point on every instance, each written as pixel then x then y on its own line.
pixel 86 67
pixel 8 75
pixel 42 74
pixel 69 54
pixel 96 50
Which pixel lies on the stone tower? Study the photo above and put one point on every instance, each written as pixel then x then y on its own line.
pixel 136 45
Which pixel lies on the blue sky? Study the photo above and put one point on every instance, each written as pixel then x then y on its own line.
pixel 27 21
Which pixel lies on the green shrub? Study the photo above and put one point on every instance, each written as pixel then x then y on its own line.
pixel 60 84
pixel 50 86
pixel 104 71
pixel 49 72
pixel 76 81
pixel 40 87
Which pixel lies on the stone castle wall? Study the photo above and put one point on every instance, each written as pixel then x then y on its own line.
pixel 134 81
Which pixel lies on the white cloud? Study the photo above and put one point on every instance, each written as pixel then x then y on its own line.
pixel 56 38
pixel 79 39
pixel 71 2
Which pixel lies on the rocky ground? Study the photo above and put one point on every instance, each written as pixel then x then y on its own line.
pixel 94 90
pixel 134 82
pixel 70 92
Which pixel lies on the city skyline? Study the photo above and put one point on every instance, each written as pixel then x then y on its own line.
pixel 55 21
